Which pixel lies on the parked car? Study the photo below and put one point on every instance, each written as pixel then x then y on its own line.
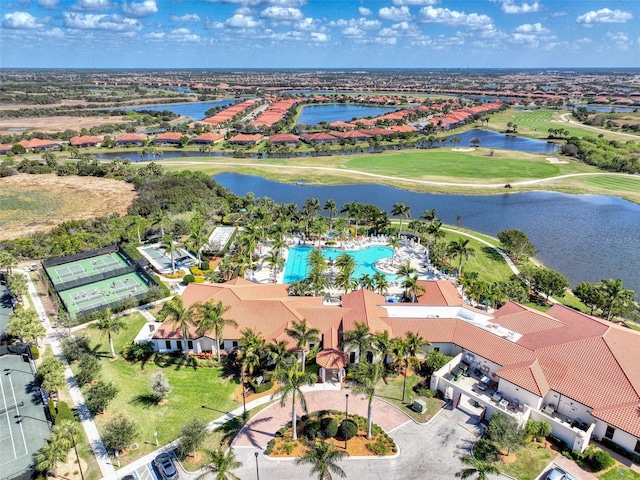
pixel 557 474
pixel 166 467
pixel 483 384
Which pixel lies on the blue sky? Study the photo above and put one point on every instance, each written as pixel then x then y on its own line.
pixel 319 33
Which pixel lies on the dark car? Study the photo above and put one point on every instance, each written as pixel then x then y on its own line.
pixel 166 467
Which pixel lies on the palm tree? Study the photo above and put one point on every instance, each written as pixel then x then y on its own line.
pixel 275 262
pixel 341 229
pixel 460 248
pixel 279 354
pixel 171 247
pixel 366 376
pixel 108 324
pixel 405 351
pixel 303 334
pixel 429 215
pixel 324 459
pixel 405 271
pixel 367 281
pixel 401 211
pixel 615 295
pixel 435 231
pixel 291 382
pixel 210 319
pixel 252 351
pixel 476 467
pixel 358 339
pixel 394 243
pixel 331 208
pixel 411 286
pixel 319 228
pixel 49 456
pixel 380 281
pixel 161 220
pixel 346 267
pixel 180 317
pixel 221 465
pixel 384 346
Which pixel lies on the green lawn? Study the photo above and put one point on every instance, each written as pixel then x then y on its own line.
pixel 620 472
pixel 391 392
pixel 613 183
pixel 530 461
pixel 536 123
pixel 470 166
pixel 191 389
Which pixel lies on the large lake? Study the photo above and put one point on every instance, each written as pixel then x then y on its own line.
pixel 586 237
pixel 490 139
pixel 315 114
pixel 194 110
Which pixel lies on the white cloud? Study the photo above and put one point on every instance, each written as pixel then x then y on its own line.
pixel 509 6
pixel 92 5
pixel 282 14
pixel 187 17
pixel 415 2
pixel 155 35
pixel 365 12
pixel 21 20
pixel 454 18
pixel 48 4
pixel 604 15
pixel 619 39
pixel 242 21
pixel 353 32
pixel 395 14
pixel 140 9
pixel 308 25
pixel 319 37
pixel 535 28
pixel 184 35
pixel 53 33
pixel 402 29
pixel 261 3
pixel 361 23
pixel 91 21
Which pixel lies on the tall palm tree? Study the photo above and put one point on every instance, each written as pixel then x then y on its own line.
pixel 401 211
pixel 171 247
pixel 476 467
pixel 366 377
pixel 291 381
pixel 434 230
pixel 367 281
pixel 161 220
pixel 221 465
pixel 460 248
pixel 412 288
pixel 358 339
pixel 405 351
pixel 405 272
pixel 331 208
pixel 341 229
pixel 346 267
pixel 380 281
pixel 107 324
pixel 303 334
pixel 179 316
pixel 394 243
pixel 429 215
pixel 279 354
pixel 324 459
pixel 251 352
pixel 210 319
pixel 275 262
pixel 49 456
pixel 319 228
pixel 384 346
pixel 615 295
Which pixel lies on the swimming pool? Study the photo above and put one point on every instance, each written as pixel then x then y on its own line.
pixel 296 266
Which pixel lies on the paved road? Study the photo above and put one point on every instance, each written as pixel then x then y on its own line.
pixel 425 451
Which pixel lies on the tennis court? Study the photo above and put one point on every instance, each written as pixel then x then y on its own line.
pixel 100 295
pixel 24 428
pixel 86 268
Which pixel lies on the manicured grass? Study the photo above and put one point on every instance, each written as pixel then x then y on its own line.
pixel 530 461
pixel 191 389
pixel 620 472
pixel 471 166
pixel 536 123
pixel 391 392
pixel 614 183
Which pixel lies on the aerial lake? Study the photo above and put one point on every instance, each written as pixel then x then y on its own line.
pixel 314 114
pixel 490 139
pixel 194 110
pixel 585 237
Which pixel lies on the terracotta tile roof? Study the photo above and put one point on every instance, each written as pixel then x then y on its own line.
pixel 526 320
pixel 246 138
pixel 528 375
pixel 132 137
pixel 208 138
pixel 490 346
pixel 434 330
pixel 364 306
pixel 38 143
pixel 284 138
pixel 319 137
pixel 439 292
pixel 5 148
pixel 172 136
pixel 84 139
pixel 623 344
pixel 625 417
pixel 332 359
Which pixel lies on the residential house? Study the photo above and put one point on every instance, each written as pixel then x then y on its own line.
pixel 128 139
pixel 85 141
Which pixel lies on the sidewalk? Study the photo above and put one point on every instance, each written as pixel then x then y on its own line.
pixel 53 339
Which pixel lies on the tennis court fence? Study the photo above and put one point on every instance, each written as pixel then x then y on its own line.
pixel 80 282
pixel 99 308
pixel 52 262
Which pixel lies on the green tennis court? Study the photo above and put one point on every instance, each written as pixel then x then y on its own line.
pixel 104 293
pixel 86 268
pixel 24 428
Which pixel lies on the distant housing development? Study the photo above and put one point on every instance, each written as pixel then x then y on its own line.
pixel 534 365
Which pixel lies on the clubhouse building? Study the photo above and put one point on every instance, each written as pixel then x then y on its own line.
pixel 578 372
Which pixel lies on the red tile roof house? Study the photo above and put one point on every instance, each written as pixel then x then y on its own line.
pixel 319 138
pixel 246 139
pixel 36 145
pixel 207 139
pixel 138 139
pixel 5 149
pixel 85 141
pixel 288 139
pixel 579 373
pixel 168 138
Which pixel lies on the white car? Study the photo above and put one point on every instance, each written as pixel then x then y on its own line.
pixel 557 474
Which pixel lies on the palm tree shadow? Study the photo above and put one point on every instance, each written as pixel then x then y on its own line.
pixel 146 400
pixel 250 432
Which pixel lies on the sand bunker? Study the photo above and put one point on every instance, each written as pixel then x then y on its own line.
pixel 464 149
pixel 555 160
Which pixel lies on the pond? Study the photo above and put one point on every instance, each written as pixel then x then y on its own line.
pixel 585 237
pixel 331 113
pixel 490 139
pixel 194 110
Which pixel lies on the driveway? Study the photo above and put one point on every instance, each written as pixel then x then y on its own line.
pixel 425 451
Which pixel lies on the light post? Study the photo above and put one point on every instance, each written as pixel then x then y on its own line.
pixel 244 399
pixel 257 470
pixel 155 434
pixel 73 440
pixel 346 417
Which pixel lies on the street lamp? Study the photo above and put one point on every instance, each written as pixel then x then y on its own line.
pixel 155 434
pixel 73 440
pixel 346 417
pixel 257 470
pixel 244 398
